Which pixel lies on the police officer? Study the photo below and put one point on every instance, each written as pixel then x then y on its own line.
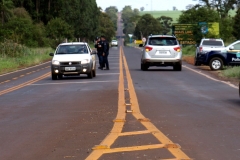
pixel 99 47
pixel 105 54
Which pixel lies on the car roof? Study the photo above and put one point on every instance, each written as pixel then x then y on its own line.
pixel 213 39
pixel 161 36
pixel 73 43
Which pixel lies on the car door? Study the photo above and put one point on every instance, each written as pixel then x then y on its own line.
pixel 233 54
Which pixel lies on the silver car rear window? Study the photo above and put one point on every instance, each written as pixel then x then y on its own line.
pixel 72 49
pixel 212 43
pixel 162 41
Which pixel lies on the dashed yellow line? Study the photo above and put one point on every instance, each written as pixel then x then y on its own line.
pixel 105 145
pixel 24 84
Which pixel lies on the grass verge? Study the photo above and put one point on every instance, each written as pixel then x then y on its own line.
pixel 32 57
pixel 231 72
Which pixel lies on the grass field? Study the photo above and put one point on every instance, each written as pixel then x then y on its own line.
pixel 174 14
pixel 35 56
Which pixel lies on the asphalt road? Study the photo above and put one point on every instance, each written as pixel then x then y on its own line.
pixel 42 119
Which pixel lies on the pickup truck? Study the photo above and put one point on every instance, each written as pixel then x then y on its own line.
pixel 207 45
pixel 217 57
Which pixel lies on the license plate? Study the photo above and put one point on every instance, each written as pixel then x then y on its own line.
pixel 70 68
pixel 161 52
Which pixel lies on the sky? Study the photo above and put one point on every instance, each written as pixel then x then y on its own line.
pixel 149 5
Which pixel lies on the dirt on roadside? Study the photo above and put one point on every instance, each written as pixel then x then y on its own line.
pixel 215 74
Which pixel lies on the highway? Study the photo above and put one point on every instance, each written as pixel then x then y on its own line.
pixel 123 113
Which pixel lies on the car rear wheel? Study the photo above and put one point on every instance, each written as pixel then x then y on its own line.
pixel 54 77
pixel 177 67
pixel 216 64
pixel 144 67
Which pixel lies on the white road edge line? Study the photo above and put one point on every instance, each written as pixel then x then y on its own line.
pixel 207 76
pixel 71 83
pixel 24 69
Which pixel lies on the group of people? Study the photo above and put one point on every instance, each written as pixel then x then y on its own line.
pixel 102 46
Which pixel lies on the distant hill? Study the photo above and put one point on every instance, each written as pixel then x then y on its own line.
pixel 174 14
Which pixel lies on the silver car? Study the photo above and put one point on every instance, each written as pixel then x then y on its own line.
pixel 162 50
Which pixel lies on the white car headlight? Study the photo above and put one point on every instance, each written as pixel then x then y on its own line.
pixel 55 62
pixel 85 61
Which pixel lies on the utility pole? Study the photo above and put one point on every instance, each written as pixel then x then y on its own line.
pixel 151 5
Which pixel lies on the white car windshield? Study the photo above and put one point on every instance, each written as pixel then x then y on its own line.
pixel 72 49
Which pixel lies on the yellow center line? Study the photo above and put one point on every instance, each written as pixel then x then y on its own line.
pixel 178 153
pixel 105 145
pixel 119 121
pixel 24 84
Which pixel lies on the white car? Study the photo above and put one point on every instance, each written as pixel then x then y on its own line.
pixel 114 43
pixel 73 59
pixel 162 50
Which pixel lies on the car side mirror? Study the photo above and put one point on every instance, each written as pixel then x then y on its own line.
pixel 231 48
pixel 140 45
pixel 94 52
pixel 51 54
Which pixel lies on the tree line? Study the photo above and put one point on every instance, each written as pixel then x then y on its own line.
pixel 205 11
pixel 37 23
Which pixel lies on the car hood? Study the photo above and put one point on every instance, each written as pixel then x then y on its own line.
pixel 71 57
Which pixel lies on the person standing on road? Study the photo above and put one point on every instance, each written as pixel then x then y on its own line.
pixel 99 47
pixel 105 54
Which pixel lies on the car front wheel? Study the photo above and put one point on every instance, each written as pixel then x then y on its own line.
pixel 90 75
pixel 54 77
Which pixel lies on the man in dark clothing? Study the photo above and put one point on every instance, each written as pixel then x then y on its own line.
pixel 99 47
pixel 105 45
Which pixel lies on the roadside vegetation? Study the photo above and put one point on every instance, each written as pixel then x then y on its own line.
pixel 226 13
pixel 29 29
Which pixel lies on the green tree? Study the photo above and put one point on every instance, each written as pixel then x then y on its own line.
pixel 166 23
pixel 198 14
pixel 221 6
pixel 106 26
pixel 5 10
pixel 236 25
pixel 147 25
pixel 57 29
pixel 112 12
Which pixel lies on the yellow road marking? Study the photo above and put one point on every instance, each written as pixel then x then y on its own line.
pixel 118 126
pixel 105 145
pixel 24 84
pixel 15 78
pixel 21 76
pixel 178 153
pixel 134 133
pixel 139 148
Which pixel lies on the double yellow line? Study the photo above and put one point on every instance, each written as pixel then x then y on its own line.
pixel 24 84
pixel 116 132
